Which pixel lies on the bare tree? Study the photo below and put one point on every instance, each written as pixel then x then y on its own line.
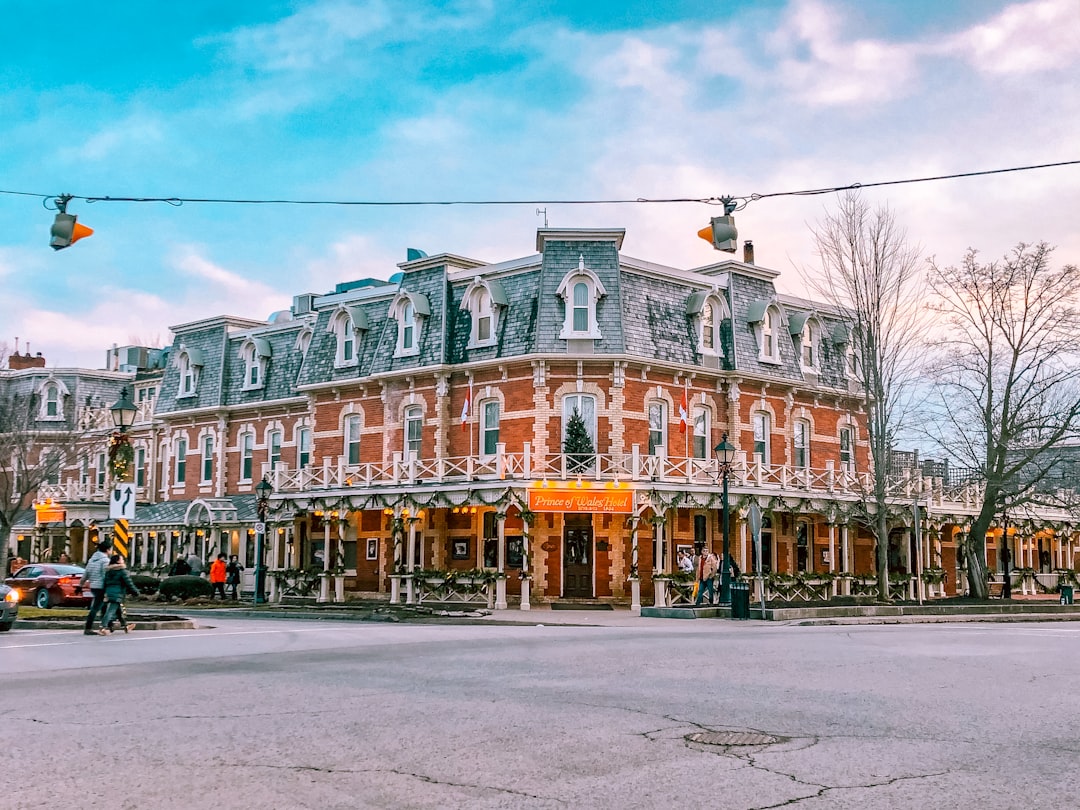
pixel 1005 378
pixel 871 272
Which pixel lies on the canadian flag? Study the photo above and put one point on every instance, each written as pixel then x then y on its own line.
pixel 465 408
pixel 684 415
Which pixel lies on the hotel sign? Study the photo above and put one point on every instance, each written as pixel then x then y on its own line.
pixel 600 501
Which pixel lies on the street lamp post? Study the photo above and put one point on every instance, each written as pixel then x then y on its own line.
pixel 262 492
pixel 725 456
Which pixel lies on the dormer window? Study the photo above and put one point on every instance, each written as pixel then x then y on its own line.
pixel 484 300
pixel 809 341
pixel 51 398
pixel 765 319
pixel 345 324
pixel 707 312
pixel 580 291
pixel 255 353
pixel 190 363
pixel 303 340
pixel 409 309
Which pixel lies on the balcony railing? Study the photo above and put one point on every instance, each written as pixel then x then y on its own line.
pixel 634 467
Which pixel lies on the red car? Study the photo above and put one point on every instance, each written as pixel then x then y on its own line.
pixel 47 584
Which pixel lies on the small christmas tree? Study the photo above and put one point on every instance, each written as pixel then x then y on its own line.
pixel 577 444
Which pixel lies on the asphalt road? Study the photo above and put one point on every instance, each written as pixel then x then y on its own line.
pixel 293 714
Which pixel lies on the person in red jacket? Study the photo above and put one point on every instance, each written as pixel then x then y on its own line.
pixel 217 576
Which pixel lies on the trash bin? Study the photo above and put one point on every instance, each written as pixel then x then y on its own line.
pixel 740 600
pixel 1066 594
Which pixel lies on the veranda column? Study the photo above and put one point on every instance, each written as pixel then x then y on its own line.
pixel 396 536
pixel 500 583
pixel 275 552
pixel 410 565
pixel 324 580
pixel 635 580
pixel 526 576
pixel 845 561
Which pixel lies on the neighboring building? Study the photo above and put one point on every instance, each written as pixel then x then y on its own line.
pixel 418 424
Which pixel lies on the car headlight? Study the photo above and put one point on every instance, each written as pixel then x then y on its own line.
pixel 13 595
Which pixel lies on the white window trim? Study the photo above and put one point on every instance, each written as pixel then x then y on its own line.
pixel 406 419
pixel 763 329
pixel 803 423
pixel 592 427
pixel 188 370
pixel 479 303
pixel 350 419
pixel 343 329
pixel 179 458
pixel 244 437
pixel 766 438
pixel 485 427
pixel 695 412
pixel 404 302
pixel 300 431
pixel 61 391
pixel 249 353
pixel 280 434
pixel 207 437
pixel 811 335
pixel 721 314
pixel 596 291
pixel 664 418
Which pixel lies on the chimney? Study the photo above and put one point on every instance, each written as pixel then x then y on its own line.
pixel 748 252
pixel 17 362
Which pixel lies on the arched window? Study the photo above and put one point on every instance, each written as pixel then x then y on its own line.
pixel 483 299
pixel 273 452
pixel 247 455
pixel 189 362
pixel 700 443
pixel 658 423
pixel 409 309
pixel 580 291
pixel 489 426
pixel 414 425
pixel 352 440
pixel 847 449
pixel 761 436
pixel 801 444
pixel 585 404
pixel 343 325
pixel 181 461
pixel 770 335
pixel 810 338
pixel 207 459
pixel 52 400
pixel 303 447
pixel 255 352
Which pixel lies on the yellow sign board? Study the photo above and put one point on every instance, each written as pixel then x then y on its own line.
pixel 600 501
pixel 48 511
pixel 121 535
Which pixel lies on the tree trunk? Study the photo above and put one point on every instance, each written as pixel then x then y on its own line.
pixel 975 551
pixel 882 532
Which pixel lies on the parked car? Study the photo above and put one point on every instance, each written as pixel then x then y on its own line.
pixel 9 606
pixel 46 584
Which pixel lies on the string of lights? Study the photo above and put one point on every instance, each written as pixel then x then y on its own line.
pixel 740 202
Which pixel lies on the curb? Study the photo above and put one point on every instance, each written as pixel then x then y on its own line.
pixel 35 624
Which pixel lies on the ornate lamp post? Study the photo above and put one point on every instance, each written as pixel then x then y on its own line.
pixel 263 490
pixel 120 453
pixel 725 457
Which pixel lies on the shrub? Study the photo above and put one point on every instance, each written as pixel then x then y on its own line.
pixel 147 585
pixel 185 587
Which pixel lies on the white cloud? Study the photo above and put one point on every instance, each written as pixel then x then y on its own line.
pixel 815 64
pixel 129 135
pixel 1024 38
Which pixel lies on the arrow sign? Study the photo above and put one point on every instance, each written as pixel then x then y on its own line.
pixel 122 502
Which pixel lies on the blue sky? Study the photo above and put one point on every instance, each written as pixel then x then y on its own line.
pixel 495 100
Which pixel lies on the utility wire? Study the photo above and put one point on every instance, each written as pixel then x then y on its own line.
pixel 742 202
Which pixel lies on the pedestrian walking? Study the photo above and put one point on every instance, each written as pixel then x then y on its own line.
pixel 94 578
pixel 180 567
pixel 118 584
pixel 232 576
pixel 706 568
pixel 196 563
pixel 217 576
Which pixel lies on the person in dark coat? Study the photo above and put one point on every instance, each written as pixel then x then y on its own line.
pixel 94 578
pixel 180 568
pixel 232 575
pixel 118 584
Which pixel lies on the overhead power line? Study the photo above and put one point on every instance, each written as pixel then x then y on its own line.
pixel 741 201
